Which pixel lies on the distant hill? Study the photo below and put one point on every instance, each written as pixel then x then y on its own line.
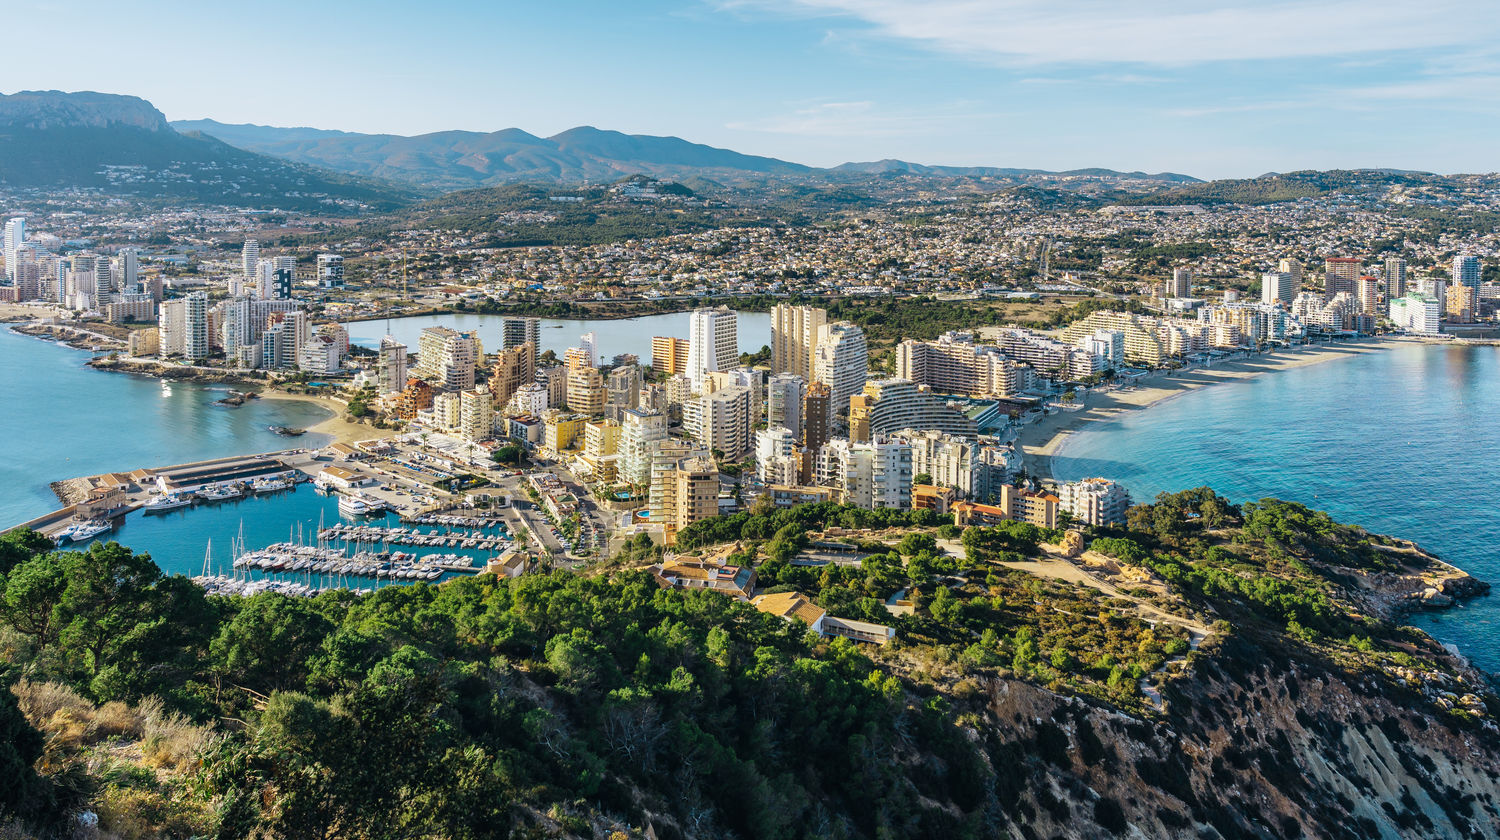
pixel 51 139
pixel 464 159
pixel 890 166
pixel 1276 187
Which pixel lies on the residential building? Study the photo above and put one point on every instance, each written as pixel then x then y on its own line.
pixel 517 331
pixel 319 355
pixel 795 332
pixel 586 391
pixel 1341 274
pixel 1182 283
pixel 784 395
pixel 1467 273
pixel 622 390
pixel 776 460
pixel 330 271
pixel 417 396
pixel 1417 313
pixel 712 574
pixel 1461 304
pixel 476 414
pixel 932 497
pixel 530 399
pixel 556 381
pixel 950 462
pixel 1395 278
pixel 514 368
pixel 669 355
pixel 391 366
pixel 890 405
pixel 1015 503
pixel 15 235
pixel 875 474
pixel 720 420
pixel 684 490
pixel 1277 287
pixel 1094 501
pixel 713 342
pixel 841 361
pixel 1367 290
pixel 955 364
pixel 1106 346
pixel 561 429
pixel 447 357
pixel 794 606
pixel 183 327
pixel 640 429
pixel 447 412
pixel 817 415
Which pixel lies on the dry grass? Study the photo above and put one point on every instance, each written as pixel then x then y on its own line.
pixel 168 741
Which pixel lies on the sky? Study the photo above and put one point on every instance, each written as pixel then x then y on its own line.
pixel 1211 88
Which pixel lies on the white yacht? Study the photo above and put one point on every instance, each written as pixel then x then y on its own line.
pixel 221 492
pixel 89 529
pixel 166 502
pixel 360 504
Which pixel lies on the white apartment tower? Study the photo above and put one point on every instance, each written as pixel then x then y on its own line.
pixel 713 342
pixel 15 234
pixel 784 395
pixel 841 361
pixel 1277 287
pixel 391 368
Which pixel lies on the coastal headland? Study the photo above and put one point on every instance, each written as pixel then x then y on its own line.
pixel 1039 440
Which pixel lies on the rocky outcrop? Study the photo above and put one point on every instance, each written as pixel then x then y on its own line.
pixel 49 109
pixel 1253 745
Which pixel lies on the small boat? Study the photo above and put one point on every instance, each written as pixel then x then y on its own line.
pixel 89 529
pixel 221 492
pixel 166 502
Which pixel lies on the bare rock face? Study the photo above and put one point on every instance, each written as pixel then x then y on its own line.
pixel 1252 746
pixel 49 109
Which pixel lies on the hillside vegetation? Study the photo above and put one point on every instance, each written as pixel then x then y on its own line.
pixel 1241 686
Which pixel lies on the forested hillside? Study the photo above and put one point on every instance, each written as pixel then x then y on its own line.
pixel 1243 683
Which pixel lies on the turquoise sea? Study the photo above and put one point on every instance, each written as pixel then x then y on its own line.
pixel 62 419
pixel 1401 441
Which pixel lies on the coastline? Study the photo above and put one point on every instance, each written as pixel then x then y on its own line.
pixel 1041 440
pixel 336 427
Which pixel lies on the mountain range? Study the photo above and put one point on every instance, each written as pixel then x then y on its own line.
pixel 122 144
pixel 459 159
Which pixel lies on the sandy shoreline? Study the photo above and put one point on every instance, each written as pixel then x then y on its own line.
pixel 1039 440
pixel 339 429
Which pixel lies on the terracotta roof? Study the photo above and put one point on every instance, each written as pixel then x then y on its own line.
pixel 789 605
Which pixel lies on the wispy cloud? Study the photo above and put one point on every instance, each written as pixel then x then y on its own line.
pixel 864 118
pixel 1155 32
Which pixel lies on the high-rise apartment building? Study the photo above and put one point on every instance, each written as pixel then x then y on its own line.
pixel 720 421
pixel 1182 283
pixel 875 474
pixel 515 331
pixel 447 357
pixel 955 364
pixel 250 261
pixel 1277 287
pixel 889 405
pixel 1094 501
pixel 1395 278
pixel 640 430
pixel 1417 314
pixel 713 342
pixel 784 395
pixel 182 327
pixel 841 361
pixel 776 460
pixel 127 272
pixel 15 235
pixel 817 415
pixel 391 366
pixel 1461 304
pixel 1367 293
pixel 684 490
pixel 1341 274
pixel 476 414
pixel 794 338
pixel 514 367
pixel 1466 272
pixel 330 271
pixel 586 391
pixel 669 355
